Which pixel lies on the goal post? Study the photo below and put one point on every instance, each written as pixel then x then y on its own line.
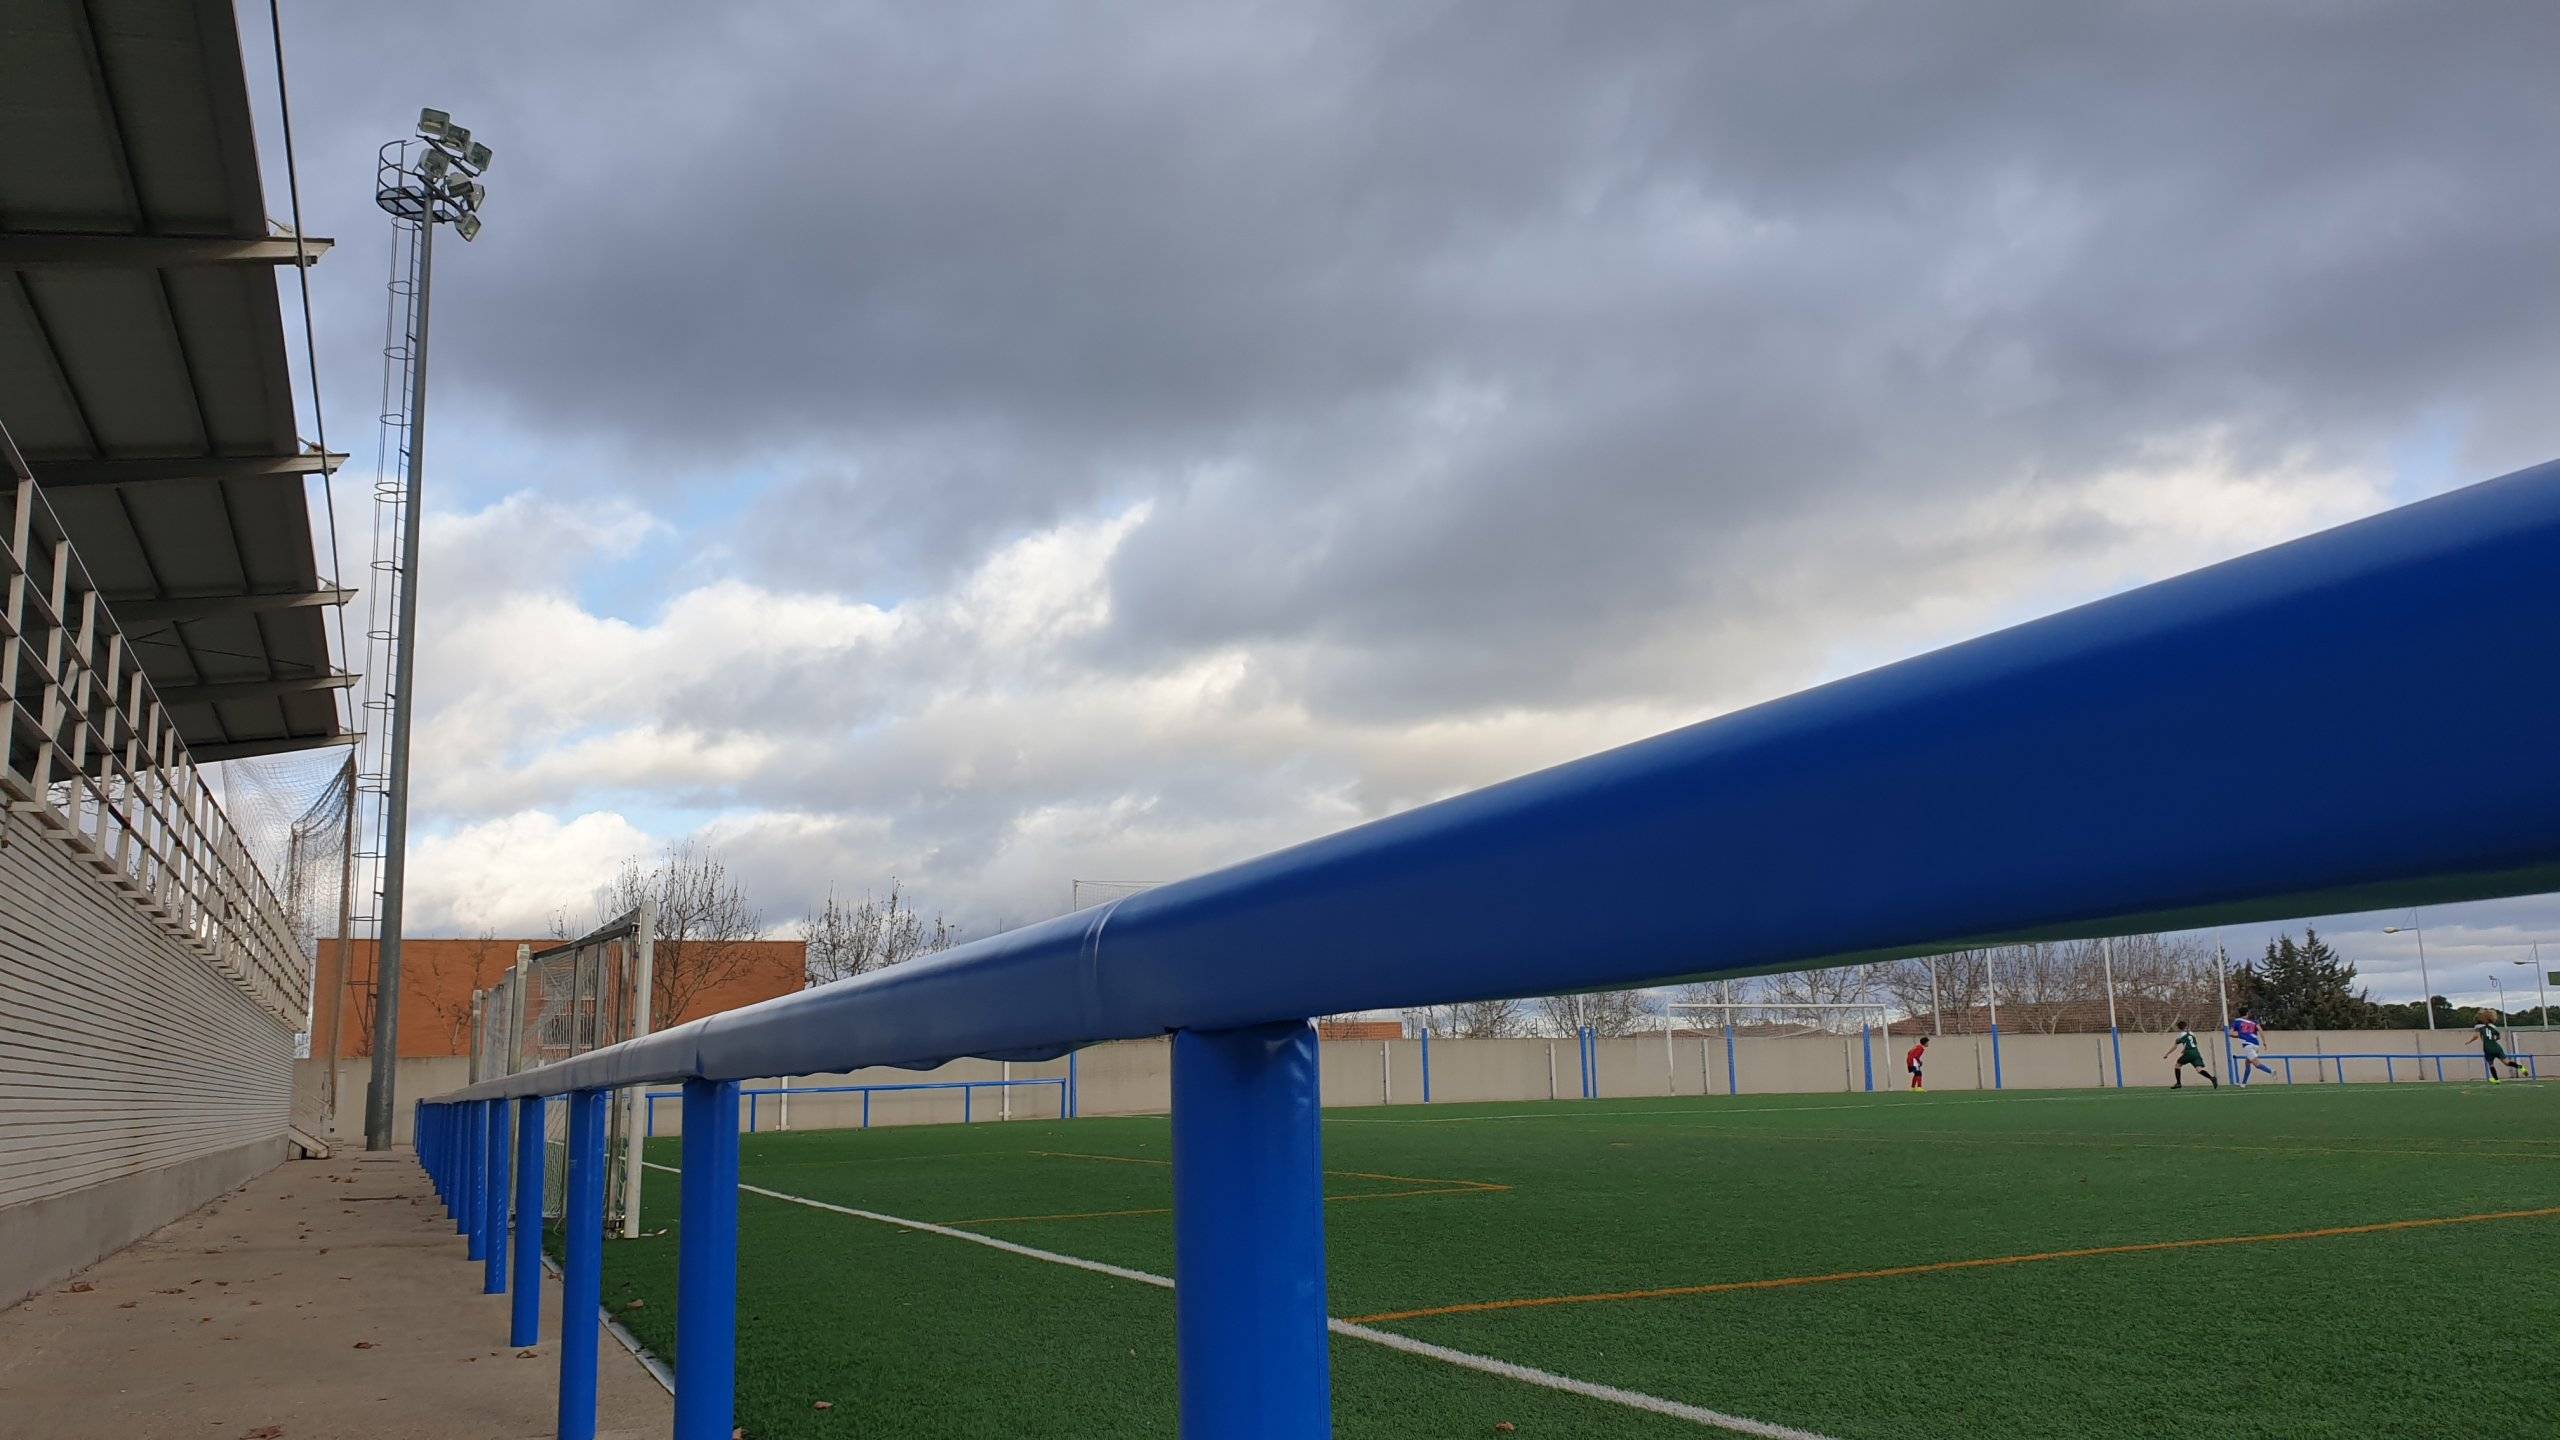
pixel 562 1002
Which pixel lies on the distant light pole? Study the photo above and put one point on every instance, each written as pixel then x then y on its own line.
pixel 436 183
pixel 2423 982
pixel 2503 1015
pixel 2541 985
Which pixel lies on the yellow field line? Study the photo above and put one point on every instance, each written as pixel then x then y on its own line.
pixel 1979 1263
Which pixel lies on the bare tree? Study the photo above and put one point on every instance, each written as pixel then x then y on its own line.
pixel 1471 1019
pixel 845 941
pixel 454 977
pixel 1609 1012
pixel 705 926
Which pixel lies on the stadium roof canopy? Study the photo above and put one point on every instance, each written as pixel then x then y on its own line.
pixel 143 372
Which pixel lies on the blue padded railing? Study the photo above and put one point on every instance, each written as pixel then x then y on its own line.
pixel 1911 810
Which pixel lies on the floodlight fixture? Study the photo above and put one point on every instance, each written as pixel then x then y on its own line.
pixel 476 159
pixel 434 123
pixel 467 193
pixel 457 137
pixel 467 226
pixel 433 163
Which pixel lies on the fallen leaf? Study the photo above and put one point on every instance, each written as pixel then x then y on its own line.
pixel 822 1405
pixel 78 1287
pixel 1503 1427
pixel 265 1432
pixel 633 1304
pixel 129 1304
pixel 528 1354
pixel 364 1345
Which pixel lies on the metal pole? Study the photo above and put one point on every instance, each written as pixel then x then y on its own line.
pixel 644 942
pixel 333 1000
pixel 1248 1235
pixel 2542 986
pixel 1426 1065
pixel 1937 1007
pixel 2424 982
pixel 524 1325
pixel 582 1265
pixel 493 1201
pixel 2115 1037
pixel 1991 982
pixel 395 825
pixel 707 1264
pixel 2222 996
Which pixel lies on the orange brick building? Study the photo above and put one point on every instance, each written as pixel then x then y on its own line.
pixel 437 978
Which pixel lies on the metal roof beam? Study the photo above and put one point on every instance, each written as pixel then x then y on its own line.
pixel 63 250
pixel 142 611
pixel 153 469
pixel 242 749
pixel 223 690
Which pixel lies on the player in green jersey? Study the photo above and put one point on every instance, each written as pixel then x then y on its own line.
pixel 2492 1053
pixel 2188 1053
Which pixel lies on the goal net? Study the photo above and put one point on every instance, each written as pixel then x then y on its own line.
pixel 560 1003
pixel 1778 1020
pixel 1081 893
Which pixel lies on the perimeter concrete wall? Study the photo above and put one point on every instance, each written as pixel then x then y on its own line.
pixel 1135 1077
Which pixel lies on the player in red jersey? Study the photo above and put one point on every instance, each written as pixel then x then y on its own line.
pixel 1911 1061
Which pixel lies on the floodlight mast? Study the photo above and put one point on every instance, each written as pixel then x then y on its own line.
pixel 440 186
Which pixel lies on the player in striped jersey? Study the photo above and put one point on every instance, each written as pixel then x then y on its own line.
pixel 2245 1030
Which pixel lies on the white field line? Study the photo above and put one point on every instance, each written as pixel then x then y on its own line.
pixel 1482 1364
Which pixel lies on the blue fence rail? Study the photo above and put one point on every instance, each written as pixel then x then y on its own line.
pixel 1906 811
pixel 968 1092
pixel 2462 1059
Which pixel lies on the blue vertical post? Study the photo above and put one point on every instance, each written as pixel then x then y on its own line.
pixel 466 1220
pixel 2115 1038
pixel 1732 1070
pixel 707 1264
pixel 968 1095
pixel 1426 1065
pixel 524 1320
pixel 582 1265
pixel 1995 1058
pixel 493 1201
pixel 751 1112
pixel 649 1107
pixel 1074 1098
pixel 866 1109
pixel 1867 1051
pixel 1248 1235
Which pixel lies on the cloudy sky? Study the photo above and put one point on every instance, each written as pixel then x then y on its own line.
pixel 995 445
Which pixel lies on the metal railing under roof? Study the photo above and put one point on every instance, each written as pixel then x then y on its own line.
pixel 93 758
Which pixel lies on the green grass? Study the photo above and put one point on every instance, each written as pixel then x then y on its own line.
pixel 2398 1333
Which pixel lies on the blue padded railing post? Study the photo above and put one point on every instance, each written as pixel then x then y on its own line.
pixel 968 1103
pixel 493 1201
pixel 1732 1070
pixel 707 1263
pixel 1074 1099
pixel 524 1317
pixel 1248 1235
pixel 1995 1058
pixel 1867 1051
pixel 1426 1065
pixel 466 1217
pixel 2115 1038
pixel 582 1265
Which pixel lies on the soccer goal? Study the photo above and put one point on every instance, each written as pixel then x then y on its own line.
pixel 555 1004
pixel 1863 1022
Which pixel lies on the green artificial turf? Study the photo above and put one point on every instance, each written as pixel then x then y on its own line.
pixel 2407 1332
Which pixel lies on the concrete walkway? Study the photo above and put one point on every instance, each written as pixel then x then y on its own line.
pixel 326 1298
